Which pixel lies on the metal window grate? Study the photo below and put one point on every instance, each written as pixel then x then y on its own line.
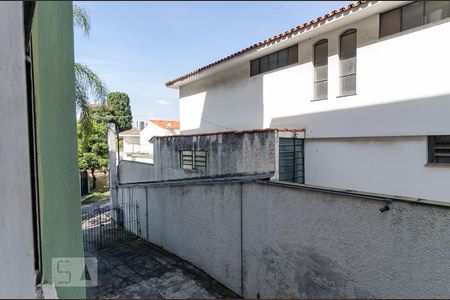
pixel 193 159
pixel 439 149
pixel 291 160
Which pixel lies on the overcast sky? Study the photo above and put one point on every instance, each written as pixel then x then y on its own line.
pixel 136 46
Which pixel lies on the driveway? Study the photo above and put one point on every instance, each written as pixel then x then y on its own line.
pixel 137 269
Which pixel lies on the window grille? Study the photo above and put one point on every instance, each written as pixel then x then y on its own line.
pixel 439 149
pixel 193 159
pixel 291 160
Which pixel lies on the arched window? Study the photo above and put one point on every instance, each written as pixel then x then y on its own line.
pixel 347 55
pixel 321 70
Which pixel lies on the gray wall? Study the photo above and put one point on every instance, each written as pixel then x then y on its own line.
pixel 133 171
pixel 298 242
pixel 242 153
pixel 16 228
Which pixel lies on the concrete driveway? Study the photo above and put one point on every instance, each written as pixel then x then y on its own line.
pixel 138 269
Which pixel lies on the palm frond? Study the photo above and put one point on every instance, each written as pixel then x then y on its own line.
pixel 83 108
pixel 81 19
pixel 87 81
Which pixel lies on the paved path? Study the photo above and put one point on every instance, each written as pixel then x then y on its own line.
pixel 138 269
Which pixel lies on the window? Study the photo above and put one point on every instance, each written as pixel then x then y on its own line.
pixel 274 61
pixel 390 22
pixel 436 10
pixel 439 149
pixel 193 160
pixel 291 160
pixel 347 55
pixel 413 15
pixel 321 70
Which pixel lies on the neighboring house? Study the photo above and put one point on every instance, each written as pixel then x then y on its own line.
pixel 157 128
pixel 136 143
pixel 368 83
pixel 131 141
pixel 41 210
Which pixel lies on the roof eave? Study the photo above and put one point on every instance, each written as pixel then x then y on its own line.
pixel 327 24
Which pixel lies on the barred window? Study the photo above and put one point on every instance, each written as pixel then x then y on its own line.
pixel 291 160
pixel 439 149
pixel 193 159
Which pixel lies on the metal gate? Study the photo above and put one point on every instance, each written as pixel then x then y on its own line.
pixel 103 227
pixel 291 160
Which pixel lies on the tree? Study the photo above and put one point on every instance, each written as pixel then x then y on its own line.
pixel 86 81
pixel 93 148
pixel 119 105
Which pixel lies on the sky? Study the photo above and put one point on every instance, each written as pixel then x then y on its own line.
pixel 135 47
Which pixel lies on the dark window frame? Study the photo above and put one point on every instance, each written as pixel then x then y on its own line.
pixel 341 57
pixel 292 58
pixel 400 8
pixel 323 41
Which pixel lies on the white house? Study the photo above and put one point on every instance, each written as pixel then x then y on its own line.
pixel 157 128
pixel 131 141
pixel 368 83
pixel 136 141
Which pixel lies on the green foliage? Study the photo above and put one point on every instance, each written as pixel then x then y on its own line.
pixel 93 148
pixel 86 81
pixel 102 114
pixel 119 105
pixel 81 19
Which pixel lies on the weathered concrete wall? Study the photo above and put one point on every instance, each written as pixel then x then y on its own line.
pixel 195 223
pixel 16 228
pixel 227 154
pixel 243 153
pixel 301 242
pixel 133 171
pixel 311 244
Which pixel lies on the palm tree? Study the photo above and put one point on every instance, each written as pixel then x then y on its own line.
pixel 86 81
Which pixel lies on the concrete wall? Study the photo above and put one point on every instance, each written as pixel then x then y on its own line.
pixel 16 228
pixel 204 230
pixel 59 185
pixel 132 171
pixel 268 241
pixel 227 154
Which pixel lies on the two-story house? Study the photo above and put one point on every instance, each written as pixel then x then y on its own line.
pixel 368 84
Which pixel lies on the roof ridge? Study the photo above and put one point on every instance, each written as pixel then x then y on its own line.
pixel 266 41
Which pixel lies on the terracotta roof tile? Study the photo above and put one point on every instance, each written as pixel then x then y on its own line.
pixel 166 124
pixel 266 41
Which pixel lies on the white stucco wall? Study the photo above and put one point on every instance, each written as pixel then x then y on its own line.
pixel 399 92
pixel 150 131
pixel 394 166
pixel 402 91
pixel 131 144
pixel 16 228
